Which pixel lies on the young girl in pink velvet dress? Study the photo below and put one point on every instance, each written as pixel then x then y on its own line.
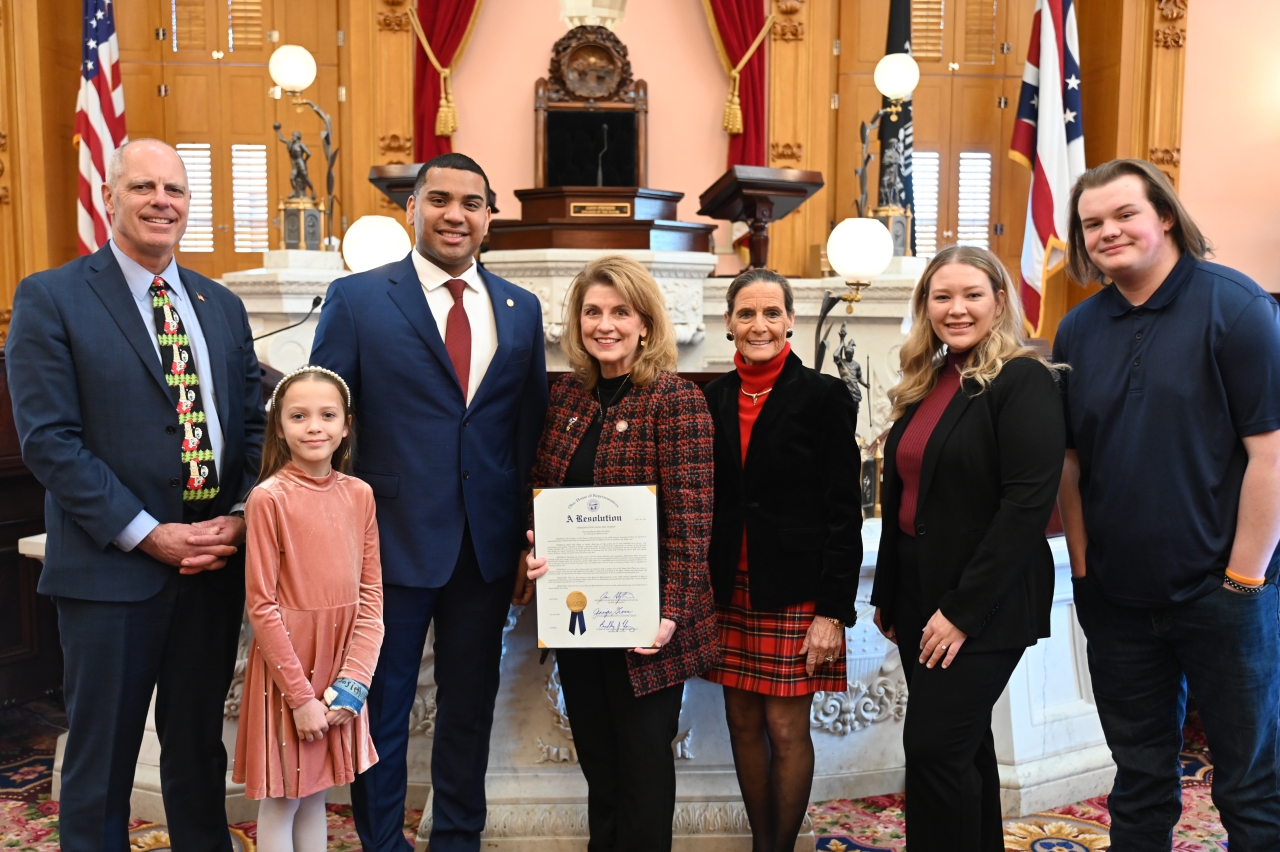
pixel 313 589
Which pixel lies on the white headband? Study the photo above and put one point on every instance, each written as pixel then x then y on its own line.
pixel 310 368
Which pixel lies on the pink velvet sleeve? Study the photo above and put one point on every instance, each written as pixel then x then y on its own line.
pixel 366 641
pixel 261 571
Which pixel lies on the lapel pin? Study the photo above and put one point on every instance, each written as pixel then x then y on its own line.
pixel 569 425
pixel 198 296
pixel 511 303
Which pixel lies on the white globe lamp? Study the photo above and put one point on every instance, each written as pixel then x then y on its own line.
pixel 374 241
pixel 896 76
pixel 292 67
pixel 858 250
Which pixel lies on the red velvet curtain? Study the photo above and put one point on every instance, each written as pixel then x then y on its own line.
pixel 445 23
pixel 739 22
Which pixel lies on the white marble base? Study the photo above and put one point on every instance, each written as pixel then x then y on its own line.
pixel 548 273
pixel 279 294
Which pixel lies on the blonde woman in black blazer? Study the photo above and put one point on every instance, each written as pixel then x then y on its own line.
pixel 964 577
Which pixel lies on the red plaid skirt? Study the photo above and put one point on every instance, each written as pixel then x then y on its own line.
pixel 760 651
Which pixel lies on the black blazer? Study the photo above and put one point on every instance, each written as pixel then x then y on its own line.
pixel 798 494
pixel 987 488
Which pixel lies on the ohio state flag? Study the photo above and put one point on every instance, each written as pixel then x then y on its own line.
pixel 1048 138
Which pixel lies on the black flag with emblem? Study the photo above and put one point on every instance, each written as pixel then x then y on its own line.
pixel 899 134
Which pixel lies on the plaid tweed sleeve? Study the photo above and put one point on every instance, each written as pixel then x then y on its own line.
pixel 684 455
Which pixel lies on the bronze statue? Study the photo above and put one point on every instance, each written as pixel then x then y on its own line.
pixel 848 367
pixel 299 153
pixel 891 188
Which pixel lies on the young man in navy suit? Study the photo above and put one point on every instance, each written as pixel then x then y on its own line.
pixel 447 368
pixel 138 401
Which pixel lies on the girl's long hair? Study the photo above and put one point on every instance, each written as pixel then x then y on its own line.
pixel 923 353
pixel 275 450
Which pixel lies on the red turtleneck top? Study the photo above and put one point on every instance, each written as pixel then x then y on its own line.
pixel 755 378
pixel 915 437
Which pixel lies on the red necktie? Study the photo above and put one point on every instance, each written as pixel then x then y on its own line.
pixel 457 334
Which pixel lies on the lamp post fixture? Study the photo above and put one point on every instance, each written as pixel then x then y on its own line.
pixel 374 241
pixel 293 69
pixel 858 250
pixel 896 77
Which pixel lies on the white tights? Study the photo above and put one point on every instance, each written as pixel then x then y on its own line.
pixel 293 825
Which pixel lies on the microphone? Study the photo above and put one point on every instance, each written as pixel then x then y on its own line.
pixel 315 303
pixel 600 157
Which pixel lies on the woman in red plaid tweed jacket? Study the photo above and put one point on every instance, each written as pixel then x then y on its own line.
pixel 625 418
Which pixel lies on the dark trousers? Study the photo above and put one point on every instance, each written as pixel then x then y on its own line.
pixel 181 642
pixel 624 749
pixel 953 782
pixel 1226 648
pixel 469 615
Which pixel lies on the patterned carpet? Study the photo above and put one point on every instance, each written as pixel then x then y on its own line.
pixel 29 821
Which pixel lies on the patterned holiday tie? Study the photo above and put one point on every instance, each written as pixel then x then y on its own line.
pixel 457 334
pixel 175 348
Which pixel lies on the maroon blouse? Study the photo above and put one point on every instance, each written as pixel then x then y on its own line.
pixel 916 436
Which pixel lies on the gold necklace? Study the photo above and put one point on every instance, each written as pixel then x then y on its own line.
pixel 755 396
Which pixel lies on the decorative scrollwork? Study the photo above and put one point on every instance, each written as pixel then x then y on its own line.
pixel 1172 10
pixel 590 64
pixel 1171 37
pixel 1166 156
pixel 788 30
pixel 789 7
pixel 4 195
pixel 787 151
pixel 235 695
pixel 4 141
pixel 395 23
pixel 862 705
pixel 395 143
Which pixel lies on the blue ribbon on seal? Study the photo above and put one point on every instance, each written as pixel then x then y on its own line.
pixel 579 621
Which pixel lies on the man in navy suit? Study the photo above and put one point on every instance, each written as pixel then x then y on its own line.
pixel 446 365
pixel 138 401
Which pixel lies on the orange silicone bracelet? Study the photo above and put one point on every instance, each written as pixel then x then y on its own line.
pixel 1245 581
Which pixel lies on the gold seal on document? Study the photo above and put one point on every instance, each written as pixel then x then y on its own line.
pixel 576 601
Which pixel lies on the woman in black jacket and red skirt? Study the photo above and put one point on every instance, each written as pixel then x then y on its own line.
pixel 786 548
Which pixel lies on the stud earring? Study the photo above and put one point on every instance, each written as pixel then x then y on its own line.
pixel 644 342
pixel 790 332
pixel 728 335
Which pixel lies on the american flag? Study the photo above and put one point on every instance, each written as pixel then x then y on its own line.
pixel 1048 139
pixel 99 119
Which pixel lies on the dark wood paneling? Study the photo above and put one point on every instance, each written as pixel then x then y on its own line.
pixel 30 656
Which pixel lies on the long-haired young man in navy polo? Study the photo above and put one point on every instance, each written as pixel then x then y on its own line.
pixel 1171 502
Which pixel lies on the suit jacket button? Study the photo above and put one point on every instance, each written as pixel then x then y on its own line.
pixel 175 482
pixel 466 474
pixel 170 429
pixel 919 529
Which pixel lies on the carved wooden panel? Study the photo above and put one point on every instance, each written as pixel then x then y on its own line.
pixel 9 236
pixel 802 72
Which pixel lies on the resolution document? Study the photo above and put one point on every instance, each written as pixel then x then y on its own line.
pixel 601 585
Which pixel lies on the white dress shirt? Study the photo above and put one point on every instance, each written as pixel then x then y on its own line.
pixel 139 281
pixel 477 304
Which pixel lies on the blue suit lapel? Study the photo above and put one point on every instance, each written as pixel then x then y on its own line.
pixel 109 284
pixel 212 324
pixel 504 326
pixel 406 292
